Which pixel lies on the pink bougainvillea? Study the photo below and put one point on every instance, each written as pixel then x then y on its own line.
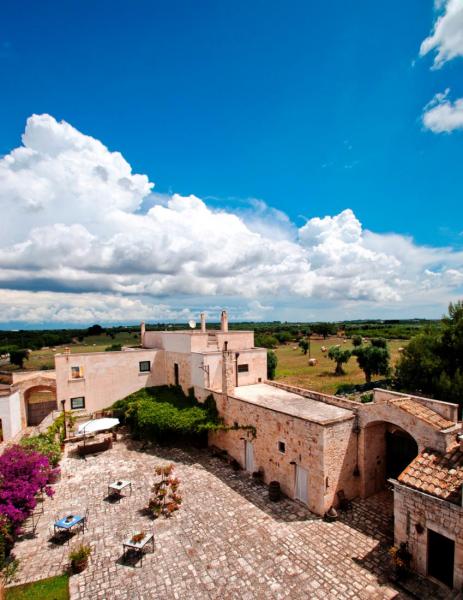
pixel 23 473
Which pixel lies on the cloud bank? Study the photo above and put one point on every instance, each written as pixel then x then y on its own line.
pixel 77 246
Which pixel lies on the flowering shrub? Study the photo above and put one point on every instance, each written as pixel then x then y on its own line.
pixel 23 473
pixel 165 499
pixel 43 444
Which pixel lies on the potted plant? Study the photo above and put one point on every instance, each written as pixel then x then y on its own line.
pixel 79 558
pixel 137 537
pixel 401 559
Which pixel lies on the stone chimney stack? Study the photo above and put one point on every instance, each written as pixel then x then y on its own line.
pixel 142 333
pixel 224 321
pixel 203 323
pixel 228 378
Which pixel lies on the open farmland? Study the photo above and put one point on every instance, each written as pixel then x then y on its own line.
pixel 293 365
pixel 44 358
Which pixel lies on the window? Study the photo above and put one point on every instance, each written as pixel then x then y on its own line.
pixel 77 403
pixel 77 372
pixel 145 366
pixel 282 447
pixel 243 368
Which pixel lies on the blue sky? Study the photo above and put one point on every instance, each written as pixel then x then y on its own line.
pixel 312 108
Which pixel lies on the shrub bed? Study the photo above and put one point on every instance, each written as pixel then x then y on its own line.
pixel 166 412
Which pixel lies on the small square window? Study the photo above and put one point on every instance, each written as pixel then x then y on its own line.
pixel 77 403
pixel 282 447
pixel 243 368
pixel 145 366
pixel 77 372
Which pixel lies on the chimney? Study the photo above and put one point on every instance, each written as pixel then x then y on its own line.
pixel 203 323
pixel 460 439
pixel 228 380
pixel 224 321
pixel 142 333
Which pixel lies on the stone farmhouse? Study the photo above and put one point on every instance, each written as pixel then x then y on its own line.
pixel 321 449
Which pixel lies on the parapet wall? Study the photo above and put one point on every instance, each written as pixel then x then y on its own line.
pixel 326 398
pixel 445 409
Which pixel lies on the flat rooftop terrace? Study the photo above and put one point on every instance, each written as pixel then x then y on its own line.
pixel 292 404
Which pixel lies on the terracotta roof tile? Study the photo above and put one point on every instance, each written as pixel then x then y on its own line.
pixel 422 412
pixel 440 475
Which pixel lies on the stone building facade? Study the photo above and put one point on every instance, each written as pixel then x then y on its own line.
pixel 320 448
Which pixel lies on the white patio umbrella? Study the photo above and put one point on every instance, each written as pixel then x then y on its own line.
pixel 97 425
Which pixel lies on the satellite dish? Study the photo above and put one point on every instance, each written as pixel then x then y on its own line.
pixel 192 323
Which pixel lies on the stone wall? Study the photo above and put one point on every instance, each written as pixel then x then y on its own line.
pixel 303 445
pixel 445 409
pixel 412 508
pixel 340 450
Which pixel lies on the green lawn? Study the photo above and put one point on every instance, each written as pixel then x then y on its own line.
pixel 54 588
pixel 293 365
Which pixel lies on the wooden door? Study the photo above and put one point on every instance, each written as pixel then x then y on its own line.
pixel 302 484
pixel 249 457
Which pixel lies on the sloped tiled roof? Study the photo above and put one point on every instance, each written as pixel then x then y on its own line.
pixel 422 412
pixel 437 474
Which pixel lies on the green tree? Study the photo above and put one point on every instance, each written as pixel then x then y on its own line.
pixel 95 330
pixel 266 341
pixel 340 357
pixel 373 360
pixel 324 329
pixel 357 341
pixel 432 362
pixel 304 345
pixel 283 336
pixel 272 362
pixel 114 348
pixel 17 357
pixel 379 343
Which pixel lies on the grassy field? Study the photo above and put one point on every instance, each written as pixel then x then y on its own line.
pixel 293 365
pixel 44 358
pixel 54 588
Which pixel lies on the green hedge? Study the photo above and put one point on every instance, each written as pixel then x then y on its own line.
pixel 164 412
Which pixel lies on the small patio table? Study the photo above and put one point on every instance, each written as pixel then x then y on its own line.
pixel 116 487
pixel 137 547
pixel 68 522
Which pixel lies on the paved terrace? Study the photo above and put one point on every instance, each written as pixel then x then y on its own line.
pixel 227 541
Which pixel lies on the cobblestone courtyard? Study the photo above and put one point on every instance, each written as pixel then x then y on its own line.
pixel 227 541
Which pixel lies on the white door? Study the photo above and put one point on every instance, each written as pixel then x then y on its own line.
pixel 302 485
pixel 249 457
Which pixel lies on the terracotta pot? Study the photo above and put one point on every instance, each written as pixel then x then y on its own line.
pixel 79 566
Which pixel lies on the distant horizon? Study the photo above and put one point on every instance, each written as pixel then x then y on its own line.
pixel 108 325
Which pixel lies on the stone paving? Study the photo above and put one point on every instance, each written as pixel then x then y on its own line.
pixel 227 541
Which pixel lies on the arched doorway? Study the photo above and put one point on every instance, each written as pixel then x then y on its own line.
pixel 401 449
pixel 40 401
pixel 387 450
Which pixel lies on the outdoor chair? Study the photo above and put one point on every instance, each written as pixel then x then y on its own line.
pixel 344 503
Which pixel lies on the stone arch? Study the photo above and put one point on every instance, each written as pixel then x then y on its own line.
pixel 386 450
pixel 38 399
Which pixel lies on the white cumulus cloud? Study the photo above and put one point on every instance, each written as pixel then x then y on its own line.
pixel 441 115
pixel 86 240
pixel 446 39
